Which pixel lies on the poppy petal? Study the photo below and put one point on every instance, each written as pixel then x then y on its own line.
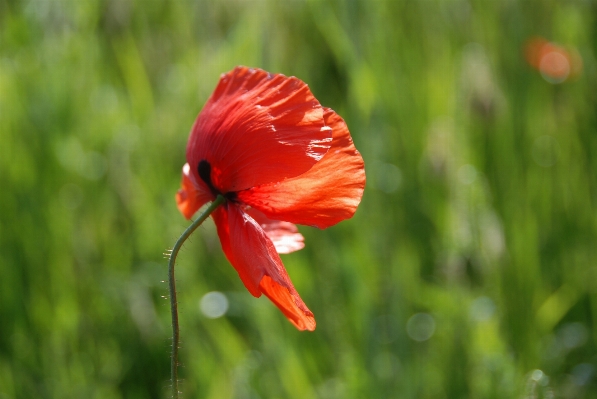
pixel 191 196
pixel 285 300
pixel 258 128
pixel 259 266
pixel 284 235
pixel 323 196
pixel 220 216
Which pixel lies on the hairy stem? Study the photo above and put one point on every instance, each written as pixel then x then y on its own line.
pixel 172 288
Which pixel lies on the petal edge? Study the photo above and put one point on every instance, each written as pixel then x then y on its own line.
pixel 189 197
pixel 257 263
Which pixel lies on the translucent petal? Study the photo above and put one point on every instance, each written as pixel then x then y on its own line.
pixel 191 196
pixel 259 266
pixel 323 196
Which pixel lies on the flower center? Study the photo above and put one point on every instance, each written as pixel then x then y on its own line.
pixel 204 169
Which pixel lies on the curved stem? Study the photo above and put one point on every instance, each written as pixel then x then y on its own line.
pixel 172 288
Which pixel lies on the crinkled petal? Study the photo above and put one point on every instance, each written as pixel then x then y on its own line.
pixel 258 128
pixel 323 196
pixel 284 235
pixel 259 266
pixel 191 196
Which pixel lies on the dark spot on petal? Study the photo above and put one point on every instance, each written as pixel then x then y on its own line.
pixel 231 196
pixel 204 169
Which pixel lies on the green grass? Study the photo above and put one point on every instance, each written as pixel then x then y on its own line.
pixel 480 208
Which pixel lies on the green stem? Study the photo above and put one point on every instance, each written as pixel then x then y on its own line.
pixel 172 288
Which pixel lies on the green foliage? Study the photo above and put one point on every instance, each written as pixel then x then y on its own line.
pixel 469 270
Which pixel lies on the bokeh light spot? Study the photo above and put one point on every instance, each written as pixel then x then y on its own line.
pixel 537 375
pixel 420 327
pixel 467 174
pixel 214 304
pixel 554 67
pixel 573 335
pixel 385 177
pixel 482 309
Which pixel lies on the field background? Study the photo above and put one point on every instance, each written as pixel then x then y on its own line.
pixel 469 270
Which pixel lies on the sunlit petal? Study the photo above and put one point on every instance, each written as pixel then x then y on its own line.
pixel 325 195
pixel 191 196
pixel 258 264
pixel 284 235
pixel 258 128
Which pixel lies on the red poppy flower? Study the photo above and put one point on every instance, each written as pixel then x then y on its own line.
pixel 554 62
pixel 266 144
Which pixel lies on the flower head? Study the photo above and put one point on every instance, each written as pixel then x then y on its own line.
pixel 266 144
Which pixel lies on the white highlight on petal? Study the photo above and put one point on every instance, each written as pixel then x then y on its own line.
pixel 285 236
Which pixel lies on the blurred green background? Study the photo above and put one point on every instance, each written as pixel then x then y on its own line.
pixel 469 270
